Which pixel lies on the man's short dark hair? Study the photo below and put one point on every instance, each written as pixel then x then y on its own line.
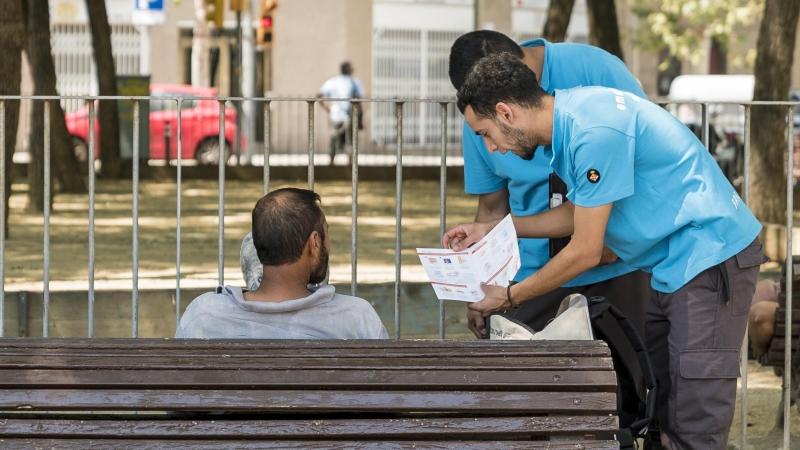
pixel 282 222
pixel 346 68
pixel 500 77
pixel 471 47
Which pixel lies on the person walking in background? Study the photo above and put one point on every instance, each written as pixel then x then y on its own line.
pixel 343 86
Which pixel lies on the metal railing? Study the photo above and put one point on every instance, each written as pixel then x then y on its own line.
pixel 400 104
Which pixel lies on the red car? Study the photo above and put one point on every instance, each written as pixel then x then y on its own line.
pixel 199 123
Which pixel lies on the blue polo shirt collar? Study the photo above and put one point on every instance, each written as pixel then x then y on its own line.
pixel 554 151
pixel 545 81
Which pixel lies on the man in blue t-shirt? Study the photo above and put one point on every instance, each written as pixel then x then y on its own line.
pixel 641 183
pixel 506 184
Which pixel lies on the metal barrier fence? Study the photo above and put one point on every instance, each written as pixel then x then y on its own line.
pixel 399 105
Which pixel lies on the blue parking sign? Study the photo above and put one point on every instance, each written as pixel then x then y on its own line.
pixel 148 12
pixel 150 5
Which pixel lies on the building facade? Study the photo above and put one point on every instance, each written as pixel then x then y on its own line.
pixel 399 49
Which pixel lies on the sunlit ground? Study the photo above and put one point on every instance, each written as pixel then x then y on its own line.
pixel 763 397
pixel 69 240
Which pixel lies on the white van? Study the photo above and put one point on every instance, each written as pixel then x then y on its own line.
pixel 726 121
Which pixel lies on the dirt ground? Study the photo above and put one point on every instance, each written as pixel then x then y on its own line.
pixel 375 245
pixel 763 399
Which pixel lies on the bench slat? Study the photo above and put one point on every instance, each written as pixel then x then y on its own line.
pixel 351 379
pixel 780 314
pixel 577 348
pixel 778 345
pixel 293 352
pixel 299 401
pixel 780 327
pixel 129 362
pixel 92 444
pixel 405 428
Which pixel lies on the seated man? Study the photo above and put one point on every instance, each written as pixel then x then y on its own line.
pixel 761 323
pixel 290 235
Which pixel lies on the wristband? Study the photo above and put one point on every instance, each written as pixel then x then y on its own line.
pixel 508 296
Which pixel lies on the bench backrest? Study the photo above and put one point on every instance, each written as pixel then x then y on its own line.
pixel 307 394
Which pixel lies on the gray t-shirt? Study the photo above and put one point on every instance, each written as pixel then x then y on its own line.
pixel 322 315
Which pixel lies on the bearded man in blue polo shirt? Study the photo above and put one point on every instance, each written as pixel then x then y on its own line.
pixel 507 184
pixel 641 183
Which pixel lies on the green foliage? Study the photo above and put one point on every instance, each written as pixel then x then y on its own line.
pixel 685 26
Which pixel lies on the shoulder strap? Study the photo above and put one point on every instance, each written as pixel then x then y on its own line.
pixel 598 306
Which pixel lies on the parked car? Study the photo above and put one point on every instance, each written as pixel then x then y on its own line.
pixel 199 125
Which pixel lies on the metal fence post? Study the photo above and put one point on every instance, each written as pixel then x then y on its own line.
pixel 47 181
pixel 310 145
pixel 135 162
pixel 22 317
pixel 354 200
pixel 398 219
pixel 3 207
pixel 787 356
pixel 221 210
pixel 746 343
pixel 443 202
pixel 267 144
pixel 705 125
pixel 90 159
pixel 178 181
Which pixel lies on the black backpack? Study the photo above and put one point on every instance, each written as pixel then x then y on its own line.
pixel 637 388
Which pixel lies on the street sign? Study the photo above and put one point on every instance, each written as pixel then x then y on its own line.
pixel 148 12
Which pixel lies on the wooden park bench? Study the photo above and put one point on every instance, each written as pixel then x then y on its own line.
pixel 215 394
pixel 775 355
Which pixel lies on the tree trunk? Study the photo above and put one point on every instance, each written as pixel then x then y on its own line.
pixel 107 81
pixel 776 38
pixel 201 75
pixel 558 15
pixel 12 38
pixel 64 165
pixel 603 28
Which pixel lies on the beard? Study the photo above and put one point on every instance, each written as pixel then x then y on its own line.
pixel 320 269
pixel 522 144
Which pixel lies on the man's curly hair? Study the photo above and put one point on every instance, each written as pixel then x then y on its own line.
pixel 496 78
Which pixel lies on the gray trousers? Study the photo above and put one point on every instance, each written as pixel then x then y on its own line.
pixel 694 336
pixel 341 138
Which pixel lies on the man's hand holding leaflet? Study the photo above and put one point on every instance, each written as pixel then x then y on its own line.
pixel 459 274
pixel 584 251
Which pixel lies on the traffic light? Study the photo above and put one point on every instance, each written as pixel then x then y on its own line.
pixel 215 12
pixel 264 34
